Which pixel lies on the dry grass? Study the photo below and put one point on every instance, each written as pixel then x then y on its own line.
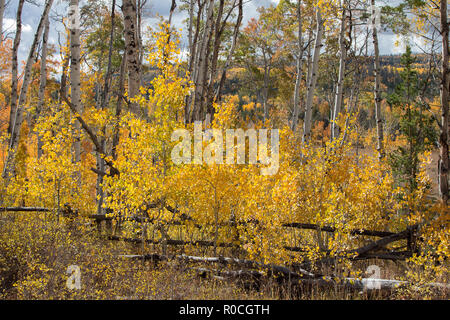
pixel 36 249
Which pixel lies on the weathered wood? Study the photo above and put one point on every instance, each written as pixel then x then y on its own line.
pixel 24 209
pixel 385 241
pixel 171 242
pixel 252 264
pixel 228 274
pixel 365 251
pixel 100 217
pixel 360 232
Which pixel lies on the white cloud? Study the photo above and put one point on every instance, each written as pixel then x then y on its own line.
pixel 9 25
pixel 26 28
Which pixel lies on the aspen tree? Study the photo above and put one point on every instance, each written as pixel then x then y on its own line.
pixel 9 167
pixel 43 81
pixel 132 49
pixel 342 68
pixel 299 75
pixel 377 88
pixel 445 84
pixel 314 74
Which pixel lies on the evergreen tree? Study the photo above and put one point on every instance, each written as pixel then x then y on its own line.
pixel 416 124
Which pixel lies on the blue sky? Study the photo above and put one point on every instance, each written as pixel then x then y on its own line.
pixel 31 15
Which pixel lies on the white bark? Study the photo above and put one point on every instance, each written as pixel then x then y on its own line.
pixel 313 80
pixel 377 70
pixel 14 79
pixel 132 49
pixel 2 11
pixel 18 119
pixel 298 79
pixel 200 81
pixel 43 81
pixel 340 83
pixel 75 80
pixel 231 52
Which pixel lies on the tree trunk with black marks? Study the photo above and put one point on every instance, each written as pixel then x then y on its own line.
pixel 43 83
pixel 340 83
pixel 313 78
pixel 9 167
pixel 298 79
pixel 14 68
pixel 132 53
pixel 2 11
pixel 445 87
pixel 75 79
pixel 201 66
pixel 231 52
pixel 377 90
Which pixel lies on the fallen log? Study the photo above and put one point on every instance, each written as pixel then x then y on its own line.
pixel 202 243
pixel 273 269
pixel 229 274
pixel 24 209
pixel 359 232
pixel 252 264
pixel 100 217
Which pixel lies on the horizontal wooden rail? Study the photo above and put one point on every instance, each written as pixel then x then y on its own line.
pixel 297 225
pixel 359 232
pixel 24 209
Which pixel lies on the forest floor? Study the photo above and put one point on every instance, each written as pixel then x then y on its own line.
pixel 36 251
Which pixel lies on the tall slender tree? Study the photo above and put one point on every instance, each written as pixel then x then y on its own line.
pixel 42 81
pixel 14 76
pixel 75 71
pixel 313 76
pixel 133 56
pixel 377 88
pixel 299 75
pixel 9 167
pixel 445 87
pixel 2 11
pixel 342 69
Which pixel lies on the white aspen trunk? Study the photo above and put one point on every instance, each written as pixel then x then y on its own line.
pixel 377 91
pixel 193 56
pixel 2 11
pixel 340 83
pixel 445 88
pixel 139 32
pixel 298 79
pixel 266 89
pixel 207 60
pixel 313 80
pixel 200 81
pixel 132 49
pixel 215 54
pixel 75 79
pixel 9 168
pixel 121 85
pixel 191 24
pixel 14 79
pixel 231 52
pixel 43 82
